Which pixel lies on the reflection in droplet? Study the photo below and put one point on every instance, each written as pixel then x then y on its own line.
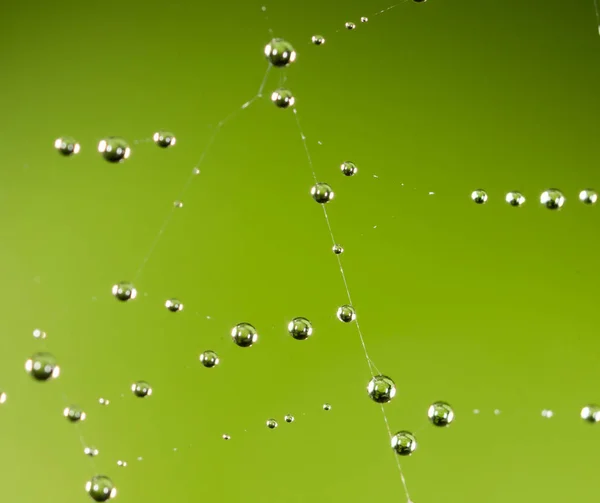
pixel 289 418
pixel 326 406
pixel 404 443
pixel 349 168
pixel 338 249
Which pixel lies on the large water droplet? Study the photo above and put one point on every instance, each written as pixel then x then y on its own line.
pixel 42 366
pixel 279 52
pixel 346 313
pixel 74 414
pixel 272 424
pixel 479 196
pixel 591 413
pixel 164 139
pixel 244 335
pixel 300 329
pixel 67 146
pixel 101 488
pixel 381 389
pixel 114 149
pixel 515 198
pixel 124 291
pixel 404 443
pixel 553 199
pixel 440 414
pixel 588 196
pixel 174 305
pixel 141 389
pixel 209 359
pixel 283 98
pixel 322 193
pixel 349 168
pixel 318 39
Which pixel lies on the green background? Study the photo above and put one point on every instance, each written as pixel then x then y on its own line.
pixel 487 307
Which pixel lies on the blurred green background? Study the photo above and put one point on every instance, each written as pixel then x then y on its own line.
pixel 487 307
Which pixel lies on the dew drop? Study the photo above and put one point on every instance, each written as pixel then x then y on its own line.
pixel 381 389
pixel 350 26
pixel 404 443
pixel 101 488
pixel 547 413
pixel 91 451
pixel 322 193
pixel 178 204
pixel 226 437
pixel 515 198
pixel 196 171
pixel 338 249
pixel 141 389
pixel 114 149
pixel 164 139
pixel 479 196
pixel 553 199
pixel 497 412
pixel 283 98
pixel 591 413
pixel 300 329
pixel 318 39
pixel 289 418
pixel 121 463
pixel 104 401
pixel 349 168
pixel 39 334
pixel 364 19
pixel 346 313
pixel 280 53
pixel 326 406
pixel 67 146
pixel 74 414
pixel 3 397
pixel 244 335
pixel 42 367
pixel 174 305
pixel 124 291
pixel 440 414
pixel 272 424
pixel 588 196
pixel 209 359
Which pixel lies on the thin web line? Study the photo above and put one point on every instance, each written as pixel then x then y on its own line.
pixel 372 367
pixel 597 15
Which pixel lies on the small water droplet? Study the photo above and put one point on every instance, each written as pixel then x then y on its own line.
pixel 547 413
pixel 101 488
pixel 272 424
pixel 103 401
pixel 350 26
pixel 553 199
pixel 141 389
pixel 381 389
pixel 591 413
pixel 121 463
pixel 196 171
pixel 244 335
pixel 338 249
pixel 318 39
pixel 174 305
pixel 300 328
pixel 280 53
pixel 226 437
pixel 67 146
pixel 39 334
pixel 322 193
pixel 475 411
pixel 404 443
pixel 209 359
pixel 140 458
pixel 515 198
pixel 346 313
pixel 349 168
pixel 283 98
pixel 178 204
pixel 74 414
pixel 42 367
pixel 588 196
pixel 497 412
pixel 289 418
pixel 164 139
pixel 114 149
pixel 364 19
pixel 440 414
pixel 124 291
pixel 326 406
pixel 479 196
pixel 91 451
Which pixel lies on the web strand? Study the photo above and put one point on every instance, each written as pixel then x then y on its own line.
pixel 597 15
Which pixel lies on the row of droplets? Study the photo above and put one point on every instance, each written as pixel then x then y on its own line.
pixel 552 199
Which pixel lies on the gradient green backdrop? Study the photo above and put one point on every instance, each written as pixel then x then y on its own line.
pixel 486 307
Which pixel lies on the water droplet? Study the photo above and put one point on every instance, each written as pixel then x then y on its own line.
pixel 121 463
pixel 350 26
pixel 91 451
pixel 475 411
pixel 141 389
pixel 74 414
pixel 226 437
pixel 272 424
pixel 103 401
pixel 322 193
pixel 300 329
pixel 39 334
pixel 101 488
pixel 244 335
pixel 547 413
pixel 174 305
pixel 67 146
pixel 440 414
pixel 591 413
pixel 124 291
pixel 114 149
pixel 280 53
pixel 283 98
pixel 419 1
pixel 289 418
pixel 164 139
pixel 178 204
pixel 364 19
pixel 318 39
pixel 346 313
pixel 553 199
pixel 3 397
pixel 588 196
pixel 497 412
pixel 326 406
pixel 479 196
pixel 404 443
pixel 515 198
pixel 381 389
pixel 140 458
pixel 42 366
pixel 349 168
pixel 196 171
pixel 338 250
pixel 209 359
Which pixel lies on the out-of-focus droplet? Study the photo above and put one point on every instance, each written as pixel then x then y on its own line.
pixel 103 401
pixel 67 146
pixel 591 413
pixel 364 19
pixel 326 406
pixel 318 39
pixel 121 463
pixel 91 451
pixel 350 26
pixel 39 334
pixel 178 204
pixel 3 397
pixel 74 414
pixel 226 437
pixel 174 305
pixel 289 418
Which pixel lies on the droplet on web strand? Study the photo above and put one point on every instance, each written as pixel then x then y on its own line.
pixel 67 146
pixel 114 149
pixel 280 53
